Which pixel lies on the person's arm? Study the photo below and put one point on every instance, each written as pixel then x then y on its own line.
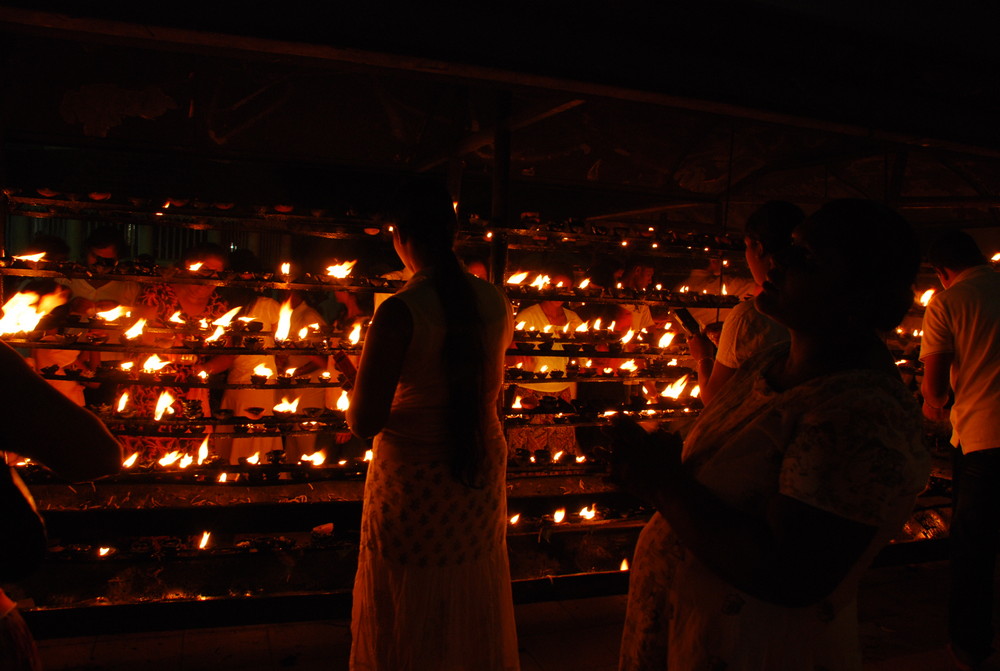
pixel 721 373
pixel 936 386
pixel 378 371
pixel 793 555
pixel 43 425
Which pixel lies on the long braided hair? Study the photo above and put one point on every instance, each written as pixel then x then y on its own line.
pixel 423 213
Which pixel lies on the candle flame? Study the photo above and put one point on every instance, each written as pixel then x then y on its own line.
pixel 186 461
pixel 130 462
pixel 227 319
pixel 153 364
pixel 597 324
pixel 582 328
pixel 223 477
pixel 203 451
pixel 584 283
pixel 666 339
pixel 25 309
pixel 588 513
pixel 122 402
pixel 303 333
pixel 355 335
pixel 218 333
pixel 369 455
pixel 176 318
pixel 286 268
pixel 625 339
pixel 284 321
pixel 516 405
pixel 676 389
pixel 205 535
pixel 112 314
pixel 580 459
pixel 286 405
pixel 515 518
pixel 925 297
pixel 624 565
pixel 559 515
pixel 341 270
pixel 170 458
pixel 557 456
pixel 135 330
pixel 255 459
pixel 344 402
pixel 517 278
pixel 103 552
pixel 695 391
pixel 316 458
pixel 163 404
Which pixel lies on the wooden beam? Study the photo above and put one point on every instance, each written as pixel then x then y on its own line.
pixel 148 36
pixel 486 136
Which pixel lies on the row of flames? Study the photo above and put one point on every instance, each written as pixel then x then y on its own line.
pixel 165 403
pixel 183 460
pixel 543 281
pixel 666 339
pixel 23 312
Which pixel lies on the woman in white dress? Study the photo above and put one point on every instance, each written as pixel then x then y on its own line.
pixel 433 584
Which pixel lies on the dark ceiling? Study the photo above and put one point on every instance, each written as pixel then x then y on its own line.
pixel 687 115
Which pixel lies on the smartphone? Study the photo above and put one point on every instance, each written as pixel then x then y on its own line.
pixel 687 320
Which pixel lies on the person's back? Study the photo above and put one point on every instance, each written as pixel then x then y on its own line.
pixel 419 408
pixel 965 319
pixel 960 351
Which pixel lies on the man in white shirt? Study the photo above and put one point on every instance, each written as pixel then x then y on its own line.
pixel 961 355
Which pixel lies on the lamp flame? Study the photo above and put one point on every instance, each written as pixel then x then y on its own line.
pixel 163 404
pixel 355 335
pixel 135 330
pixel 517 278
pixel 624 565
pixel 114 313
pixel 284 321
pixel 203 451
pixel 344 402
pixel 676 389
pixel 122 402
pixel 261 369
pixel 176 318
pixel 559 515
pixel 628 337
pixel 925 297
pixel 515 518
pixel 25 309
pixel 153 364
pixel 170 458
pixel 130 462
pixel 227 319
pixel 340 270
pixel 316 458
pixel 194 267
pixel 666 340
pixel 584 283
pixel 31 257
pixel 286 405
pixel 588 513
pixel 205 535
pixel 629 366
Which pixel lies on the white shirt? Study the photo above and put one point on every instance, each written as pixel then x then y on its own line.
pixel 964 320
